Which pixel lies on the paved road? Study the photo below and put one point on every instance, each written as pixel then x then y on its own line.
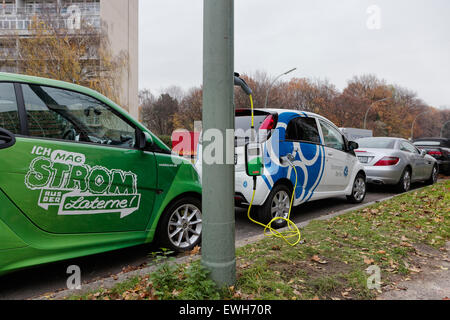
pixel 37 281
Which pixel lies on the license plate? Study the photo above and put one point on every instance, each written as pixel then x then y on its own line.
pixel 363 159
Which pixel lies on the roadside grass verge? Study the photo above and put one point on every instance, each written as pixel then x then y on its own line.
pixel 331 263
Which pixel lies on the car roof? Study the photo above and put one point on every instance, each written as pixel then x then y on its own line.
pixel 390 138
pixel 431 139
pixel 13 77
pixel 299 112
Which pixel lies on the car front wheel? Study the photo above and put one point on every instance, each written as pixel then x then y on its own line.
pixel 404 184
pixel 434 176
pixel 180 227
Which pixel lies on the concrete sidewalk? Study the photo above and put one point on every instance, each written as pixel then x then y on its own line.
pixel 432 282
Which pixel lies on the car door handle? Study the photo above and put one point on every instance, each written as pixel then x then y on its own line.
pixel 330 154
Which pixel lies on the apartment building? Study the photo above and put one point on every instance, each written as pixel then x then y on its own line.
pixel 120 17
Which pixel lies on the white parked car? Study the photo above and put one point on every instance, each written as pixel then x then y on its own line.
pixel 324 160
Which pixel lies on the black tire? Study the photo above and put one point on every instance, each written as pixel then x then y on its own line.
pixel 447 172
pixel 180 226
pixel 359 189
pixel 404 185
pixel 434 176
pixel 276 200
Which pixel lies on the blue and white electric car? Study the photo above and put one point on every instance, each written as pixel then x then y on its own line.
pixel 325 162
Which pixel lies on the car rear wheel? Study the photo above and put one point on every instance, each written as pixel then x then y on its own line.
pixel 276 206
pixel 359 190
pixel 404 184
pixel 180 227
pixel 434 176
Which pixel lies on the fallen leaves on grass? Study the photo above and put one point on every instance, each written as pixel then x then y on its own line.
pixel 317 259
pixel 195 251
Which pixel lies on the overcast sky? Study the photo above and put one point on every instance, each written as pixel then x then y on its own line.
pixel 406 42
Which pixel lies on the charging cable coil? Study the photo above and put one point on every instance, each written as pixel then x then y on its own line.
pixel 291 234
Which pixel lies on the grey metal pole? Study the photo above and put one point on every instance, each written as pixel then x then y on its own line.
pixel 370 108
pixel 218 240
pixel 443 128
pixel 414 123
pixel 273 82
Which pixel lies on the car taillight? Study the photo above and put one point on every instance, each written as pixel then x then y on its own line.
pixel 387 161
pixel 435 153
pixel 268 124
pixel 361 151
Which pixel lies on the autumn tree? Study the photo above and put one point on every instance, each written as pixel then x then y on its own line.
pixel 158 115
pixel 392 108
pixel 190 110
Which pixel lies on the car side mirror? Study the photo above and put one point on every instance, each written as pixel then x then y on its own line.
pixel 423 153
pixel 144 140
pixel 254 159
pixel 7 139
pixel 352 146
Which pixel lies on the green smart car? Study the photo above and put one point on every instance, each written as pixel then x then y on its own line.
pixel 79 176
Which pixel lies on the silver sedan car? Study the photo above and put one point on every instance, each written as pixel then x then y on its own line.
pixel 395 161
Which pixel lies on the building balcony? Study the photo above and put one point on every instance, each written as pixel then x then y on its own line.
pixel 68 16
pixel 33 8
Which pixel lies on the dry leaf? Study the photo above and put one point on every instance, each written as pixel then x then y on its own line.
pixel 317 259
pixel 195 251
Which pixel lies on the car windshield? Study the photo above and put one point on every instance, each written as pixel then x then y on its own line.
pixel 376 143
pixel 427 143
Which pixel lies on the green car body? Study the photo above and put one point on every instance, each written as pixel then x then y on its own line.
pixel 67 189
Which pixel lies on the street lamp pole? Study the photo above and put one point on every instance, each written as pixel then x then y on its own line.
pixel 273 82
pixel 370 108
pixel 218 234
pixel 443 128
pixel 414 123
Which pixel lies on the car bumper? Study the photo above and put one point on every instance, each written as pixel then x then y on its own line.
pixel 444 165
pixel 383 175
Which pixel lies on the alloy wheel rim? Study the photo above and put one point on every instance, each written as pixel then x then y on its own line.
pixel 406 181
pixel 435 174
pixel 280 205
pixel 359 189
pixel 185 226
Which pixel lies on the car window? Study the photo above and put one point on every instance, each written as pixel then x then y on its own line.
pixel 407 147
pixel 303 129
pixel 66 115
pixel 332 137
pixel 243 128
pixel 9 116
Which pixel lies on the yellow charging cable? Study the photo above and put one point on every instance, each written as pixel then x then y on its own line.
pixel 292 232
